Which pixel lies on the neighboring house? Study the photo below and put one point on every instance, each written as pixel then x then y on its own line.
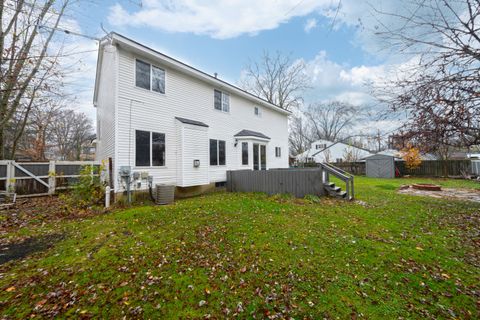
pixel 328 151
pixel 398 155
pixel 184 127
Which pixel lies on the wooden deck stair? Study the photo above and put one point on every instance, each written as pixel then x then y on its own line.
pixel 334 190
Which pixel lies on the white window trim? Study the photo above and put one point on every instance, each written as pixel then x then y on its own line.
pixel 151 154
pixel 222 95
pixel 279 154
pixel 151 73
pixel 218 153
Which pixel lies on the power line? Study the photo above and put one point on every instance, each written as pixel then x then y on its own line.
pixel 66 31
pixel 294 7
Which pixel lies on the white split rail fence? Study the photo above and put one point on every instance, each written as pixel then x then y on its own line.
pixel 14 175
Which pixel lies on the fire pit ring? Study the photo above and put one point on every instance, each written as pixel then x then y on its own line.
pixel 427 187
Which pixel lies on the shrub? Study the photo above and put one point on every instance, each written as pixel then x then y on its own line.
pixel 412 158
pixel 89 190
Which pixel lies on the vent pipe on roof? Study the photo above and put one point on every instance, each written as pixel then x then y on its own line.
pixel 215 75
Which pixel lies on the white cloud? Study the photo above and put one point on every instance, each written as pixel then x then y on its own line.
pixel 331 81
pixel 218 19
pixel 310 24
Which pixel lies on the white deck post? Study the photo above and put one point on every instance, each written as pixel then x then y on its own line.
pixel 52 179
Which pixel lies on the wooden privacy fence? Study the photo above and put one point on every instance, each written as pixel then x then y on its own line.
pixel 40 178
pixel 428 168
pixel 436 168
pixel 476 167
pixel 356 168
pixel 298 182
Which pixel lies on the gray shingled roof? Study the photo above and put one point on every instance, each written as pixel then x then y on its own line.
pixel 250 133
pixel 194 122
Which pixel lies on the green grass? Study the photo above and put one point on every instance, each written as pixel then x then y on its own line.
pixel 246 255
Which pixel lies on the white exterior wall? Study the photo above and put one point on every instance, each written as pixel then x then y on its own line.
pixel 191 98
pixel 106 104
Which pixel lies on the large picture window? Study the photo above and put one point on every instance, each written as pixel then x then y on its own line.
pixel 221 100
pixel 244 153
pixel 217 152
pixel 149 149
pixel 149 77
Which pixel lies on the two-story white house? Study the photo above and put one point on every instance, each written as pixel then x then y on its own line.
pixel 328 151
pixel 184 127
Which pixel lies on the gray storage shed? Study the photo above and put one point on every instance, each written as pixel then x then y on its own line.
pixel 380 166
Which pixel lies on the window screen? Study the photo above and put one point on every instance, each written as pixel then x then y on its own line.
pixel 142 74
pixel 158 79
pixel 213 152
pixel 221 152
pixel 142 148
pixel 158 149
pixel 244 153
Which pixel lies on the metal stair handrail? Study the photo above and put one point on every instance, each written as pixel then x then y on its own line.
pixel 342 175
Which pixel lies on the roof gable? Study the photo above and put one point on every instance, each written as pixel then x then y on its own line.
pixel 136 47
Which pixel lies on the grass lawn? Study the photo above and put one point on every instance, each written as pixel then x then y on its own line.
pixel 249 255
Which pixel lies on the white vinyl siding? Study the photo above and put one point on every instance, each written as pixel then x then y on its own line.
pixel 190 98
pixel 106 113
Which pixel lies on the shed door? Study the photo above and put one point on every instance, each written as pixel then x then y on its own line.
pixel 380 168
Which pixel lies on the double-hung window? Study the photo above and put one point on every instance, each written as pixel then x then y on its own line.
pixel 221 100
pixel 257 112
pixel 149 77
pixel 278 152
pixel 217 152
pixel 149 149
pixel 244 153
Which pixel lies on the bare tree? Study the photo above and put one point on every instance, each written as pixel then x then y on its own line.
pixel 277 79
pixel 300 135
pixel 71 131
pixel 332 120
pixel 442 95
pixel 26 32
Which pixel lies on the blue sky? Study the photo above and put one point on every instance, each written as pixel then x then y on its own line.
pixel 341 54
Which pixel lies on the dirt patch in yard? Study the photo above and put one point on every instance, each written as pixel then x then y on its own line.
pixel 29 246
pixel 446 193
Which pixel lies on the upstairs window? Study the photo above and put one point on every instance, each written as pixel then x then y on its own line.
pixel 320 146
pixel 244 153
pixel 217 152
pixel 149 149
pixel 257 111
pixel 221 100
pixel 149 77
pixel 278 152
